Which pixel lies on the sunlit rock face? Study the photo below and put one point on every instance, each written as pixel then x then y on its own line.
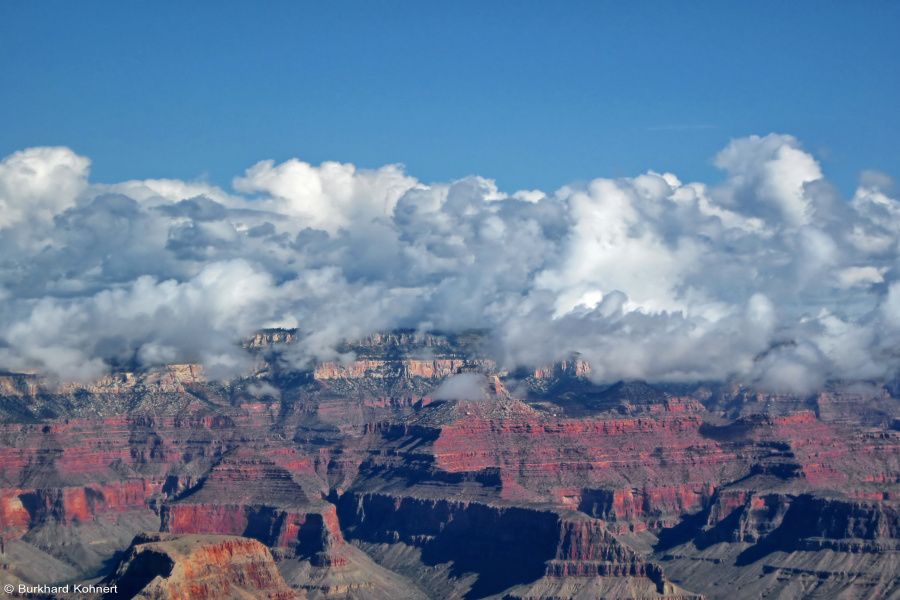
pixel 198 567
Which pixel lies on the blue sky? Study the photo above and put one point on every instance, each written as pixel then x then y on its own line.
pixel 531 94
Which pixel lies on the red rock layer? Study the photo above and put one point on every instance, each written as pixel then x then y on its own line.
pixel 250 495
pixel 290 532
pixel 82 504
pixel 647 502
pixel 577 449
pixel 14 517
pixel 165 567
pixel 72 470
pixel 650 467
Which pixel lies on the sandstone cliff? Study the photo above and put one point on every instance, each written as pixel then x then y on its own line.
pixel 198 567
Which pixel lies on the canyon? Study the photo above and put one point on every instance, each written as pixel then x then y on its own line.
pixel 360 479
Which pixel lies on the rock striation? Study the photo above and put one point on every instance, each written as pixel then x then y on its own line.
pixel 253 497
pixel 198 567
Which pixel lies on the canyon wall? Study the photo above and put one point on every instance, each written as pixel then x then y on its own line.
pixel 563 489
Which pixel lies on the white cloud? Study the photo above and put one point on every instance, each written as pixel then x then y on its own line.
pixel 329 196
pixel 39 183
pixel 768 277
pixel 166 191
pixel 767 177
pixel 465 386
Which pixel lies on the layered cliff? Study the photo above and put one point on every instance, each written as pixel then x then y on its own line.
pixel 564 489
pixel 495 547
pixel 668 471
pixel 650 467
pixel 198 567
pixel 73 492
pixel 251 496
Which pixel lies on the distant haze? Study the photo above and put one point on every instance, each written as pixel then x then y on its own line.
pixel 770 277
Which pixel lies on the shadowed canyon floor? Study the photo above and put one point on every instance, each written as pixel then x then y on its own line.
pixel 354 480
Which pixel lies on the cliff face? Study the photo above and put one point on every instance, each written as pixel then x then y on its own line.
pixel 70 505
pixel 568 490
pixel 253 497
pixel 504 546
pixel 804 520
pixel 648 468
pixel 854 405
pixel 406 368
pixel 761 481
pixel 646 503
pixel 169 379
pixel 74 491
pixel 195 567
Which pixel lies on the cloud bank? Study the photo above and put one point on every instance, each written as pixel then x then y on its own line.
pixel 769 277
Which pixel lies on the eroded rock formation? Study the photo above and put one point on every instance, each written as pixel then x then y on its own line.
pixel 198 567
pixel 357 482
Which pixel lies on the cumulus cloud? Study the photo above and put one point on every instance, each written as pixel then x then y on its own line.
pixel 327 197
pixel 769 277
pixel 39 183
